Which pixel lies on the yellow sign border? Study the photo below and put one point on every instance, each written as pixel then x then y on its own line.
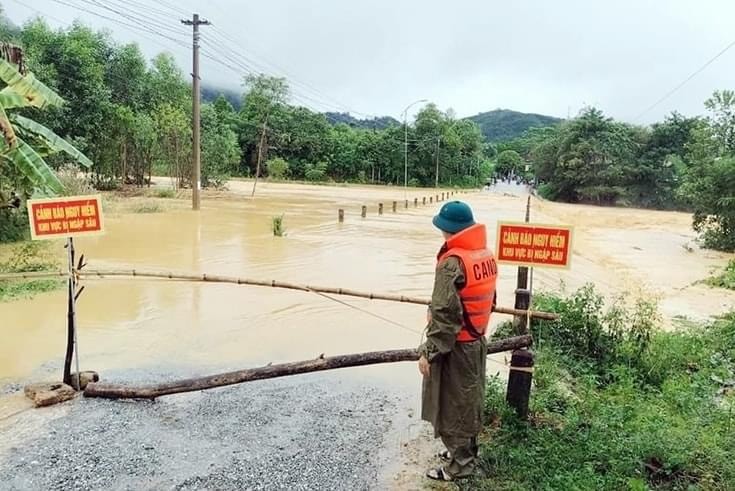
pixel 62 199
pixel 570 228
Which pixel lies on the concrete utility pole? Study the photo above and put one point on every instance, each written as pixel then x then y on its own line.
pixel 196 178
pixel 436 175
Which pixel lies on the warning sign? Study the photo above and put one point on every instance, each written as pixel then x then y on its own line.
pixel 70 216
pixel 526 244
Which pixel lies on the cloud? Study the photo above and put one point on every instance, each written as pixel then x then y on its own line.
pixel 537 56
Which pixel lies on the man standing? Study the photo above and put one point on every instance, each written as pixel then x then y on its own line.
pixel 452 360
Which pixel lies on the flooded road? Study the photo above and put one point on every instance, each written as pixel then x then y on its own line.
pixel 144 322
pixel 152 325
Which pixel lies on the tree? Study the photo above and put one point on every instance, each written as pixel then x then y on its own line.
pixel 220 149
pixel 709 184
pixel 173 132
pixel 587 159
pixel 710 190
pixel 263 108
pixel 277 168
pixel 722 106
pixel 661 165
pixel 509 162
pixel 25 141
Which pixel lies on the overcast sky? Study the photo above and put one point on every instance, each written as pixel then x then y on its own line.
pixel 378 56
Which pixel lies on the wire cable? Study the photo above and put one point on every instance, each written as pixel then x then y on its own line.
pixel 686 80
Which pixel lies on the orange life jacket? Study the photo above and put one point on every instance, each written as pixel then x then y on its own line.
pixel 481 274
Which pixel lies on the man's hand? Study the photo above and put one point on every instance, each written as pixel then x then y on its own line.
pixel 424 366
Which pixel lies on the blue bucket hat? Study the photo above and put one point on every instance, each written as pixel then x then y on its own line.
pixel 454 217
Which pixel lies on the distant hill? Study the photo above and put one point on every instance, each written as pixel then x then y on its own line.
pixel 210 93
pixel 504 124
pixel 374 123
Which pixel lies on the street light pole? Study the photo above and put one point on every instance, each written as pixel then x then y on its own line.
pixel 405 149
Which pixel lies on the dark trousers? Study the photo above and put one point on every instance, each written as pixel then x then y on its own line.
pixel 463 452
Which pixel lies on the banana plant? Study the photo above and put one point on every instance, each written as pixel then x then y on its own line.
pixel 24 142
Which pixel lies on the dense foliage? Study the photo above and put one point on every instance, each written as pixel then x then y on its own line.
pixel 132 118
pixel 679 163
pixel 375 123
pixel 617 404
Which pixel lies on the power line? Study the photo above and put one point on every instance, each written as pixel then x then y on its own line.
pixel 40 14
pixel 125 24
pixel 164 15
pixel 152 25
pixel 686 80
pixel 174 8
pixel 307 87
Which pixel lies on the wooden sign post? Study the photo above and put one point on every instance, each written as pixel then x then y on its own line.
pixel 527 246
pixel 68 217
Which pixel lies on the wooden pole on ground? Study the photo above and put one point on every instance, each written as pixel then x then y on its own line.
pixel 380 208
pixel 406 204
pixel 395 206
pixel 363 213
pixel 423 202
pixel 415 202
pixel 341 215
pixel 113 391
pixel 430 199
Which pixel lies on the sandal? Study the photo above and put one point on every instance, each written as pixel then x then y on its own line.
pixel 445 455
pixel 439 474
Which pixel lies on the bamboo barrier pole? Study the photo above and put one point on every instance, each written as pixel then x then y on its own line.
pixel 152 391
pixel 203 277
pixel 34 275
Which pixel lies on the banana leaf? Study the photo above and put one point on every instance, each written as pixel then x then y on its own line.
pixel 27 86
pixel 6 128
pixel 31 165
pixel 11 100
pixel 51 139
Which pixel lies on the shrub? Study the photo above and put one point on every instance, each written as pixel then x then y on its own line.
pixel 28 257
pixel 277 226
pixel 316 172
pixel 75 182
pixel 277 168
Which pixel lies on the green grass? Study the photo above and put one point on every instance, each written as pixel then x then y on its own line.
pixel 28 257
pixel 724 280
pixel 637 409
pixel 165 193
pixel 147 207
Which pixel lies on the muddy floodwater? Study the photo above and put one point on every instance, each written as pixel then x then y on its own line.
pixel 153 324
